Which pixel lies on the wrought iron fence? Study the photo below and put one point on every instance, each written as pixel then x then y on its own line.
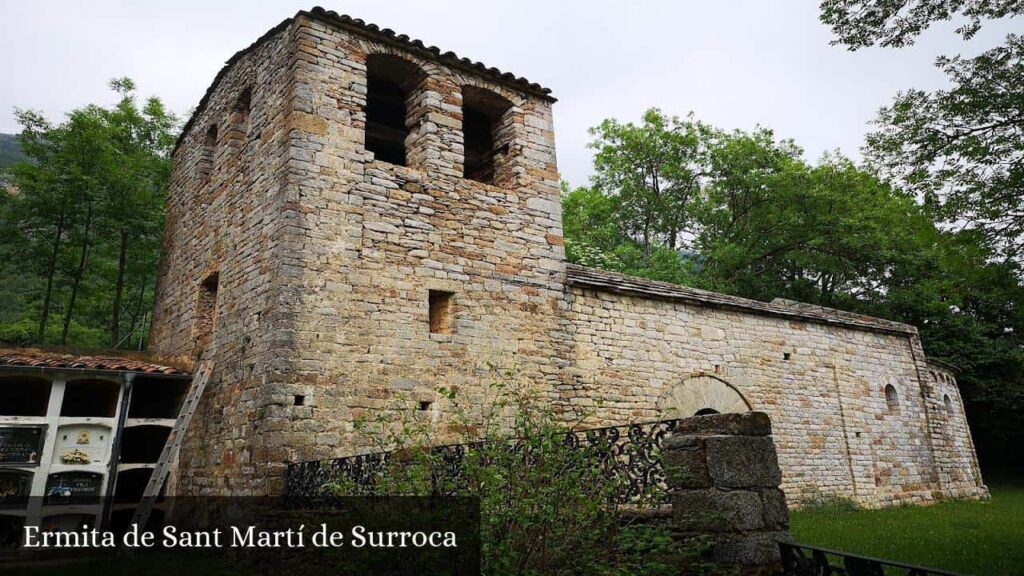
pixel 801 560
pixel 627 455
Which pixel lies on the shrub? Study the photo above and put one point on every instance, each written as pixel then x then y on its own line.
pixel 545 505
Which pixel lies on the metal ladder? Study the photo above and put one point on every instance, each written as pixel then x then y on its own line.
pixel 170 452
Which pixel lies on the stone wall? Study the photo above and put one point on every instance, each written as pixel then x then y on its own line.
pixel 303 267
pixel 639 358
pixel 955 455
pixel 226 268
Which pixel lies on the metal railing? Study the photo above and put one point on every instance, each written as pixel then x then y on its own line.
pixel 802 560
pixel 629 455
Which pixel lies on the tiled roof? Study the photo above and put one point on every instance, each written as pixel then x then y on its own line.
pixel 387 36
pixel 619 283
pixel 33 358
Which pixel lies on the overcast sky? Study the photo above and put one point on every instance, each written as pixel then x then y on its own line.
pixel 735 64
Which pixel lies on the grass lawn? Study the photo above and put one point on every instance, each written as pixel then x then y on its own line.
pixel 981 538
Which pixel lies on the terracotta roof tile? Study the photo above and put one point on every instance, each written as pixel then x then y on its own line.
pixel 34 358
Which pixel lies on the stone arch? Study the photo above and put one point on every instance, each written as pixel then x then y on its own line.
pixel 428 67
pixel 516 99
pixel 704 394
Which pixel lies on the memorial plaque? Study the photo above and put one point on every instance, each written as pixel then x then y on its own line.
pixel 15 487
pixel 21 445
pixel 82 444
pixel 73 488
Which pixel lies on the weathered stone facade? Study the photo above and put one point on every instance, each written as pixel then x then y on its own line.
pixel 312 273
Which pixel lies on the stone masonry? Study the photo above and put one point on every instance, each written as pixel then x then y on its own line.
pixel 326 284
pixel 723 476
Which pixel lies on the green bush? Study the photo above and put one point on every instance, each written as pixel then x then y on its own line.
pixel 20 333
pixel 24 332
pixel 545 506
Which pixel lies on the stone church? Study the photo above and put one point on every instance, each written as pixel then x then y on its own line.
pixel 357 218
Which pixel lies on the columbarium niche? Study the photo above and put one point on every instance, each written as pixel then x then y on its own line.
pixel 143 444
pixel 90 398
pixel 24 396
pixel 131 484
pixel 15 487
pixel 82 444
pixel 160 399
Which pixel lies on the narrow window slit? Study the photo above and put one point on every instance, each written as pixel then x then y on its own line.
pixel 440 311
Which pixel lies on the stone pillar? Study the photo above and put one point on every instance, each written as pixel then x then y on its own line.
pixel 723 476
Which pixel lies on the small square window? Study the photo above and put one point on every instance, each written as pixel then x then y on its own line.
pixel 440 310
pixel 425 405
pixel 300 400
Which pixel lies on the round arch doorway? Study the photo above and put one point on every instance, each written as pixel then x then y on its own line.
pixel 701 396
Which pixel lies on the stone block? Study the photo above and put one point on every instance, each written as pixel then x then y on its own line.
pixel 717 510
pixel 686 468
pixel 738 424
pixel 747 549
pixel 742 462
pixel 776 513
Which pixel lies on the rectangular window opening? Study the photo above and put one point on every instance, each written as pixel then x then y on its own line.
pixel 206 312
pixel 385 120
pixel 208 153
pixel 479 145
pixel 440 310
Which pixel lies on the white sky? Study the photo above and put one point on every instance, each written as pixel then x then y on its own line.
pixel 734 63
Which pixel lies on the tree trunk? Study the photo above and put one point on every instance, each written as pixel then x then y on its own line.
pixel 115 316
pixel 51 271
pixel 77 278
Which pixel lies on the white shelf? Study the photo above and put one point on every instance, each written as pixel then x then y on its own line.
pixel 22 420
pixel 133 505
pixel 123 467
pixel 21 512
pixel 57 509
pixel 95 467
pixel 166 422
pixel 67 420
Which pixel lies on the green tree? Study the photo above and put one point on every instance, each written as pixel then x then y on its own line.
pixel 142 139
pixel 84 216
pixel 777 227
pixel 962 149
pixel 655 170
pixel 897 23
